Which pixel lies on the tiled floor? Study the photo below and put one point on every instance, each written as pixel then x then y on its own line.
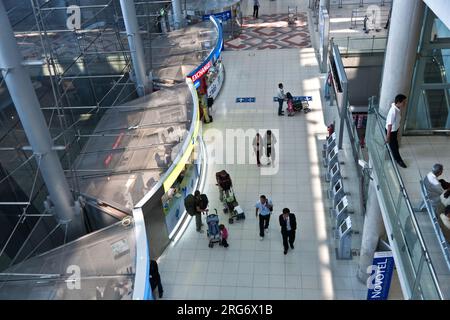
pixel 420 153
pixel 250 268
pixel 272 32
pixel 354 38
pixel 341 24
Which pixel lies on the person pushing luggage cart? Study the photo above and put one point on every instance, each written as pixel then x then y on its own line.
pixel 228 197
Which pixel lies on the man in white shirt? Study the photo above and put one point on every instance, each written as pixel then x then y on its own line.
pixel 392 125
pixel 265 207
pixel 281 97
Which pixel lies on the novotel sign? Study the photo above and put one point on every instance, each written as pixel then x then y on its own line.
pixel 201 72
pixel 380 277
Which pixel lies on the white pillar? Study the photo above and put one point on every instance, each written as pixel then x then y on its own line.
pixel 372 231
pixel 143 83
pixel 178 20
pixel 34 124
pixel 401 50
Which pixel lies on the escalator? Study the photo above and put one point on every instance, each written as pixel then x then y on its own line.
pixel 437 100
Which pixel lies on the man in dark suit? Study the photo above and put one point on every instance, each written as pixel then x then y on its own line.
pixel 288 225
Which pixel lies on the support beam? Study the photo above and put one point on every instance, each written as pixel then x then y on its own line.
pixel 143 83
pixel 28 108
pixel 178 19
pixel 401 51
pixel 372 231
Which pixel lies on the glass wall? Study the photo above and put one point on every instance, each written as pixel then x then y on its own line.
pixel 412 255
pixel 186 183
pixel 429 107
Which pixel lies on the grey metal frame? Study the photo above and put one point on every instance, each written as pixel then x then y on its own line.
pixel 61 110
pixel 443 244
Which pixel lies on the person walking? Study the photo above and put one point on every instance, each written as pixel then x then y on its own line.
pixel 288 225
pixel 155 278
pixel 255 8
pixel 269 142
pixel 392 125
pixel 258 148
pixel 264 207
pixel 281 97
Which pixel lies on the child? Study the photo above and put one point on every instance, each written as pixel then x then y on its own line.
pixel 290 104
pixel 223 236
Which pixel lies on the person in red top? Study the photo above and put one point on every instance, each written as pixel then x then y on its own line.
pixel 223 236
pixel 290 104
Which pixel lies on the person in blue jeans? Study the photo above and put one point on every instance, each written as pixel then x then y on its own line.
pixel 264 207
pixel 281 97
pixel 255 8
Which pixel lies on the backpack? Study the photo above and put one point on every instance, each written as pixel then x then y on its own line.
pixel 203 201
pixel 189 204
pixel 270 206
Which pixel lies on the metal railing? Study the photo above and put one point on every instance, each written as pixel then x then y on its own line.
pixel 358 15
pixel 352 45
pixel 415 263
pixel 358 154
pixel 361 3
pixel 443 244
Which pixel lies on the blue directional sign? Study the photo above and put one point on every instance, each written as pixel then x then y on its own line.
pixel 246 100
pixel 296 98
pixel 224 16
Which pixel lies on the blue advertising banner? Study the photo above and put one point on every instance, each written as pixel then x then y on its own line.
pixel 203 68
pixel 224 16
pixel 297 98
pixel 379 280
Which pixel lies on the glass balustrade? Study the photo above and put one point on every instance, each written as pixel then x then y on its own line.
pixel 415 261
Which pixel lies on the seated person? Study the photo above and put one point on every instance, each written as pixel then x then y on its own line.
pixel 445 223
pixel 445 198
pixel 434 186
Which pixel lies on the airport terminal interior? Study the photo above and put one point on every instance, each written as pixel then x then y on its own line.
pixel 138 136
